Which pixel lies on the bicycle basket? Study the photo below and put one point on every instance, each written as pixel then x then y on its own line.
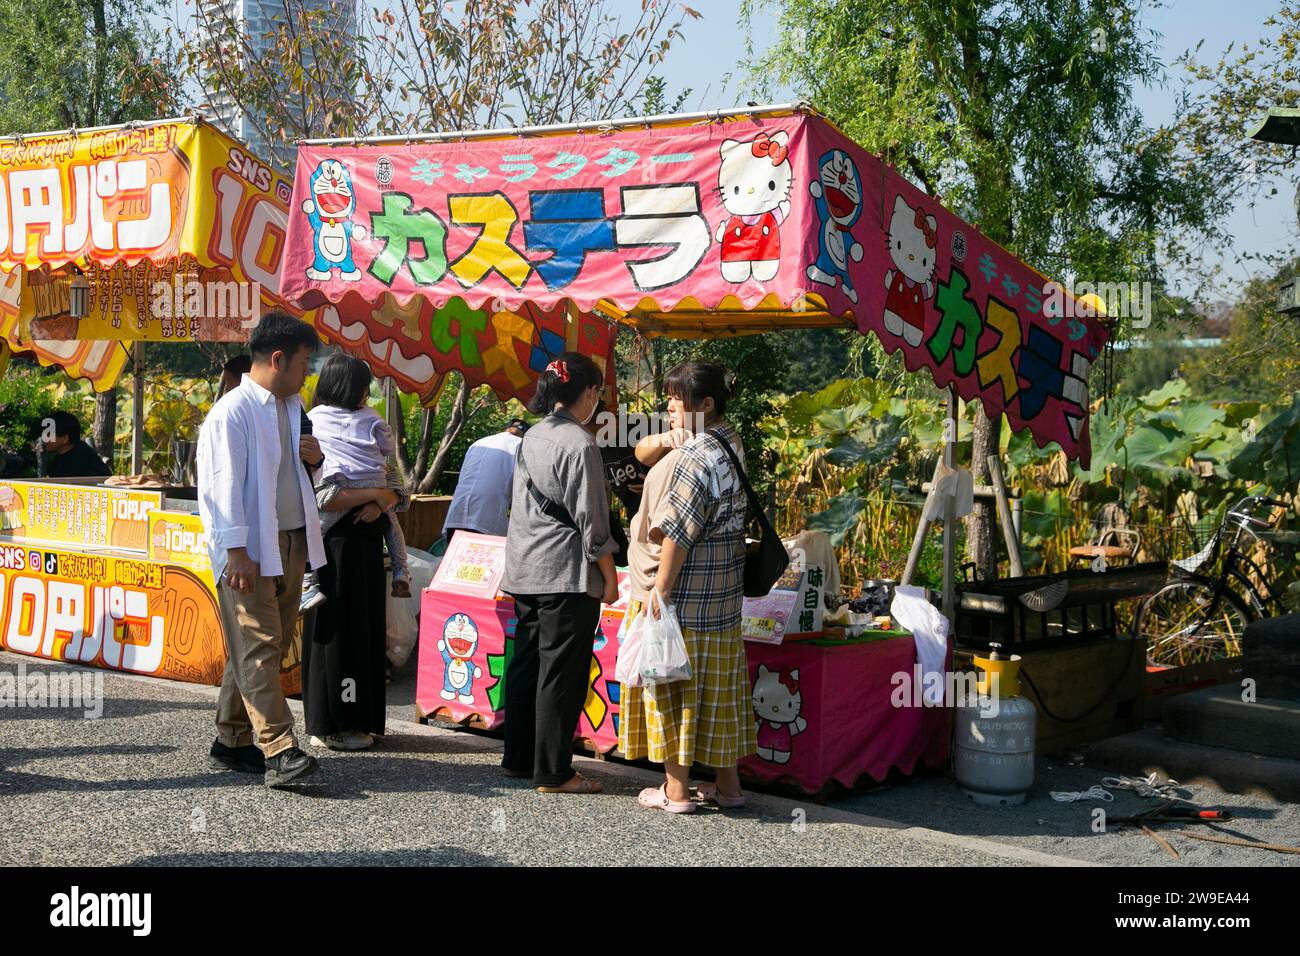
pixel 1206 555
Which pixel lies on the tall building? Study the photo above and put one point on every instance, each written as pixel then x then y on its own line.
pixel 258 20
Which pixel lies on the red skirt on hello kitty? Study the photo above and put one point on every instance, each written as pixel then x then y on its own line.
pixel 905 300
pixel 751 242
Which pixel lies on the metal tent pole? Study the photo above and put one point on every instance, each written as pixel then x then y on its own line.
pixel 949 509
pixel 137 409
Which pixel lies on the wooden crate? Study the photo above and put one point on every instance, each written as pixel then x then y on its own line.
pixel 1098 688
pixel 422 524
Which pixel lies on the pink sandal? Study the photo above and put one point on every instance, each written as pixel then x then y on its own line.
pixel 656 798
pixel 708 793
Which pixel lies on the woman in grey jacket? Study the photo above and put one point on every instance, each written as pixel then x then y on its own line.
pixel 559 568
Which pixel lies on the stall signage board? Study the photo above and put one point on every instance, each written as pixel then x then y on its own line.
pixel 79 515
pixel 473 565
pixel 110 611
pixel 180 538
pixel 177 229
pixel 766 619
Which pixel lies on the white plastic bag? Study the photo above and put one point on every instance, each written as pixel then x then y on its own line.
pixel 663 657
pixel 402 629
pixel 423 566
pixel 627 669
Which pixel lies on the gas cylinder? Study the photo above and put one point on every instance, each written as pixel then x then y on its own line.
pixel 994 752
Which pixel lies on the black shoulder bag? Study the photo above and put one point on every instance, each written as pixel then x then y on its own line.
pixel 767 559
pixel 553 510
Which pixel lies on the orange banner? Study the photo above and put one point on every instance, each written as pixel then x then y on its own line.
pixel 177 229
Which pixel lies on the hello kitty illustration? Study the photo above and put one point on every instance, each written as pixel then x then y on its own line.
pixel 754 181
pixel 459 641
pixel 777 703
pixel 913 245
pixel 838 194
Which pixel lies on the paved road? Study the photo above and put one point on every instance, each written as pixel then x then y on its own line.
pixel 133 787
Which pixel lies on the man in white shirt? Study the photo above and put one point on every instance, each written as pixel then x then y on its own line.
pixel 482 499
pixel 259 510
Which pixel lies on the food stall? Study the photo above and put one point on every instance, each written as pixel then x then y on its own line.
pixel 719 223
pixel 173 232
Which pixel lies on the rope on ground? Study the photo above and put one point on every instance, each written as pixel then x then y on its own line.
pixel 1233 841
pixel 1144 786
pixel 1097 792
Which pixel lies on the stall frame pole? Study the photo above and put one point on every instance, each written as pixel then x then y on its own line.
pixel 949 509
pixel 137 409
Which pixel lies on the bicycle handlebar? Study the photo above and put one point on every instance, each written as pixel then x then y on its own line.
pixel 1244 510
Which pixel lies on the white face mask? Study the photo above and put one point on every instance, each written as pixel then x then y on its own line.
pixel 592 414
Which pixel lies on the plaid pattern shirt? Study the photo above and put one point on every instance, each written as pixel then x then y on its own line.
pixel 704 512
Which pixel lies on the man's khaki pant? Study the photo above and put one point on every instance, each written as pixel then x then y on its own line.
pixel 257 629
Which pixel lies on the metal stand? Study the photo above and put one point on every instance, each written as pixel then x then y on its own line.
pixel 998 492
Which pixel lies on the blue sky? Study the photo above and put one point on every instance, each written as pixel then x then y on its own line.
pixel 714 52
pixel 710 62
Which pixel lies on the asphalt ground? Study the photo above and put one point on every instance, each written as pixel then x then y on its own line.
pixel 132 787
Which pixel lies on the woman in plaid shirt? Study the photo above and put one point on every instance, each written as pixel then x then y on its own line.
pixel 688 541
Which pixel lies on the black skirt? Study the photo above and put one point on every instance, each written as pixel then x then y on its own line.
pixel 343 684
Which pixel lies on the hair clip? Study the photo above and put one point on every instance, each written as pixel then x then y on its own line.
pixel 560 368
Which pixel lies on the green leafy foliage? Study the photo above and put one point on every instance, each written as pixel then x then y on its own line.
pixel 29 394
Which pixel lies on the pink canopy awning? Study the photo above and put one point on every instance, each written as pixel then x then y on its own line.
pixel 751 221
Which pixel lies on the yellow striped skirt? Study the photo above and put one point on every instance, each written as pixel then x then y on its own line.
pixel 707 719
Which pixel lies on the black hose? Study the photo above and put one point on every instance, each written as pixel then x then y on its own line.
pixel 1105 694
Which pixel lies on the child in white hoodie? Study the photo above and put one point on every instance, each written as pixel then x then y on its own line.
pixel 357 443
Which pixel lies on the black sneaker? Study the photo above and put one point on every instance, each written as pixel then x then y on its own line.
pixel 289 766
pixel 244 759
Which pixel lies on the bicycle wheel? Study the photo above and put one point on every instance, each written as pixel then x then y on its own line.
pixel 1185 623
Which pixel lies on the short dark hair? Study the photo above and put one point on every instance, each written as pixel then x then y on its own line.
pixel 281 332
pixel 238 365
pixel 65 423
pixel 580 374
pixel 693 382
pixel 344 382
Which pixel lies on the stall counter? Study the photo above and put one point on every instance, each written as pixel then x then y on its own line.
pixel 824 710
pixel 109 576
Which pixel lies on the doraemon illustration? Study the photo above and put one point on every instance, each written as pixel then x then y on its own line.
pixel 913 245
pixel 329 210
pixel 838 193
pixel 459 641
pixel 777 703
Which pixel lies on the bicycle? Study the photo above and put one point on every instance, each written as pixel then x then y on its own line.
pixel 1197 617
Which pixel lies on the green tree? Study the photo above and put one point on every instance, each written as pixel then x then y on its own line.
pixel 1021 116
pixel 1225 99
pixel 759 361
pixel 82 63
pixel 1260 360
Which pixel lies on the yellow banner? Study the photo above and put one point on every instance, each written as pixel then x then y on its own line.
pixel 89 516
pixel 176 228
pixel 179 538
